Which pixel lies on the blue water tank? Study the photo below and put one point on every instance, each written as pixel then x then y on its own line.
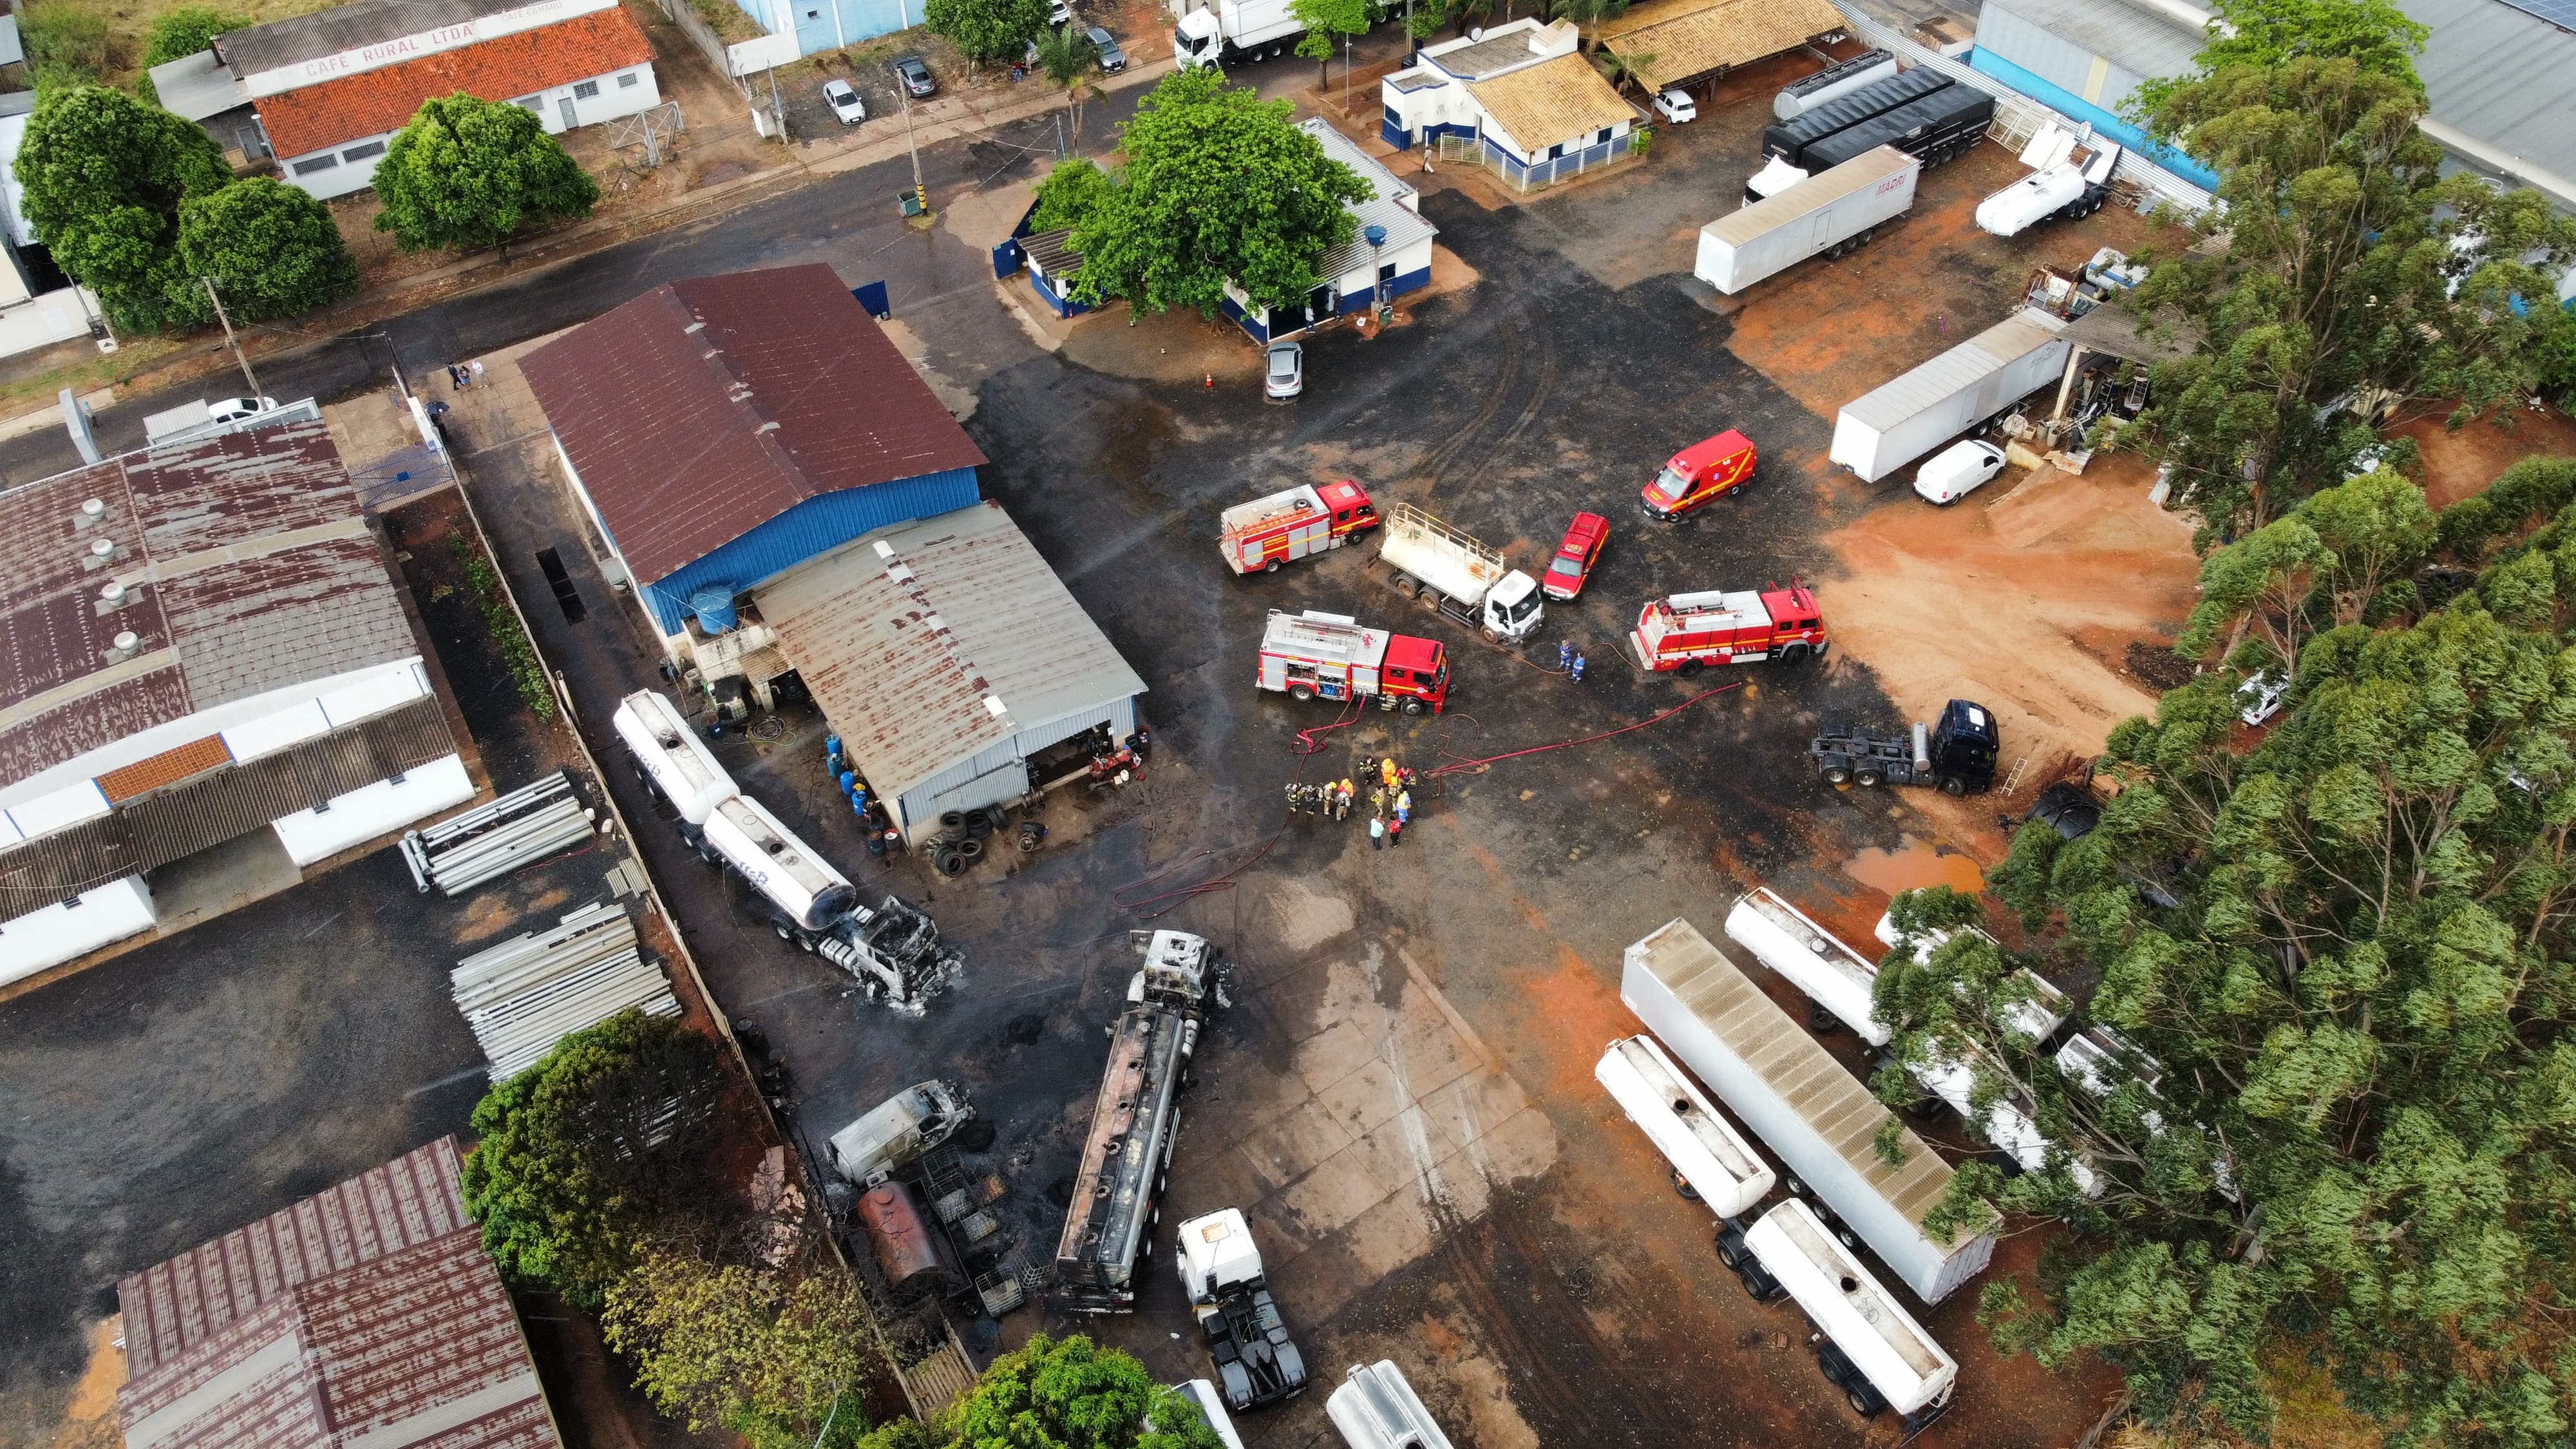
pixel 713 604
pixel 1376 235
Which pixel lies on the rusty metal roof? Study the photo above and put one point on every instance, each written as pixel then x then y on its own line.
pixel 703 409
pixel 932 641
pixel 246 565
pixel 368 1314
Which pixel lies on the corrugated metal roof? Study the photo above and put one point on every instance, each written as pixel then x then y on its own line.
pixel 2146 42
pixel 705 408
pixel 248 567
pixel 1690 38
pixel 1551 102
pixel 2501 76
pixel 347 27
pixel 1389 206
pixel 1909 393
pixel 174 1307
pixel 905 634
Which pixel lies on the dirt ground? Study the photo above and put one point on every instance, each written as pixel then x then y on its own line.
pixel 2459 463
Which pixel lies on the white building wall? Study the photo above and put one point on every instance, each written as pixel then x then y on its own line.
pixel 66 930
pixel 351 165
pixel 373 810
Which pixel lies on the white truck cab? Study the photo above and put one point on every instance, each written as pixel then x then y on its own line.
pixel 901 1128
pixel 1867 1344
pixel 1376 1409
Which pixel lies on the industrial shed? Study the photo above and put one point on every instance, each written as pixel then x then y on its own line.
pixel 946 654
pixel 365 1315
pixel 723 430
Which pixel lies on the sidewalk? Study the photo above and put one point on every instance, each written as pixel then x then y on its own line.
pixel 936 121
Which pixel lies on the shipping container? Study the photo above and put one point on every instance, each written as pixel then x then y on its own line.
pixel 1954 393
pixel 1828 214
pixel 1816 1117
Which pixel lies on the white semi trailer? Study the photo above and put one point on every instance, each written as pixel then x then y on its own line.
pixel 1954 393
pixel 1708 1155
pixel 1816 1117
pixel 1838 979
pixel 1825 215
pixel 1228 32
pixel 2067 180
pixel 1867 1344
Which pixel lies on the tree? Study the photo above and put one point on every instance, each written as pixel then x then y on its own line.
pixel 176 35
pixel 1070 193
pixel 105 176
pixel 272 250
pixel 1065 58
pixel 987 29
pixel 781 1360
pixel 2340 265
pixel 466 173
pixel 1217 185
pixel 2326 563
pixel 1621 70
pixel 2263 33
pixel 2339 1127
pixel 1068 1394
pixel 1326 21
pixel 1587 14
pixel 592 1151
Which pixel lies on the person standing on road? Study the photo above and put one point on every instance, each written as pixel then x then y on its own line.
pixel 1377 804
pixel 1377 833
pixel 1578 669
pixel 1395 832
pixel 1565 656
pixel 1386 768
pixel 1404 803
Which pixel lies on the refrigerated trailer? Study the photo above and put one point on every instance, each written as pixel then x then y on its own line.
pixel 1954 393
pixel 1708 1156
pixel 1817 1118
pixel 1870 1347
pixel 1828 214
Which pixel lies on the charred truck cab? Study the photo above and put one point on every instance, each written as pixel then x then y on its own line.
pixel 1957 754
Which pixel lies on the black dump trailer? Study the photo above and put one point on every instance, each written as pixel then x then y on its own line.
pixel 1790 139
pixel 1936 128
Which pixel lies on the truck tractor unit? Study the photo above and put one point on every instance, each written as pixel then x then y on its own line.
pixel 1711 1161
pixel 1867 1344
pixel 1955 754
pixel 1287 526
pixel 1117 1194
pixel 2066 181
pixel 892 950
pixel 1231 32
pixel 1688 632
pixel 1315 655
pixel 1230 1295
pixel 897 1131
pixel 1450 571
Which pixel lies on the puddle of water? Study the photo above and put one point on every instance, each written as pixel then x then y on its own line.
pixel 1913 865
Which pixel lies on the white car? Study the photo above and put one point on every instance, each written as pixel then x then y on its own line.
pixel 1957 471
pixel 1283 372
pixel 236 409
pixel 845 102
pixel 2261 696
pixel 1677 107
pixel 1059 13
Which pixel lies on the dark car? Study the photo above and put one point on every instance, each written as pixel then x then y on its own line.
pixel 2067 808
pixel 914 72
pixel 1576 555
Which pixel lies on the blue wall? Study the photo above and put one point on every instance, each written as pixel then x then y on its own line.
pixel 2075 107
pixel 859 19
pixel 815 526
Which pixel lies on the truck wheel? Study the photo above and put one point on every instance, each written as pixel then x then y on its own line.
pixel 1690 668
pixel 1868 779
pixel 1837 774
pixel 1300 693
pixel 1413 706
pixel 1492 634
pixel 1270 567
pixel 1794 654
pixel 1865 236
pixel 1953 785
pixel 1860 1403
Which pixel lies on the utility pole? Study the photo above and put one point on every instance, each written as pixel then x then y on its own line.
pixel 229 339
pixel 920 193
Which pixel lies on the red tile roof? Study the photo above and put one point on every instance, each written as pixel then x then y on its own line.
pixel 703 409
pixel 319 117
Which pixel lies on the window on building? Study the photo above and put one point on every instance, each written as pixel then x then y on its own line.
pixel 1556 150
pixel 361 153
pixel 585 91
pixel 533 103
pixel 318 163
pixel 1603 139
pixel 631 78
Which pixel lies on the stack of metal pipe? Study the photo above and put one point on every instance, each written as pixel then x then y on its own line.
pixel 489 841
pixel 526 994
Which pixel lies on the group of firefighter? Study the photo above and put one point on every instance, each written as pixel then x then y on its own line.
pixel 1390 799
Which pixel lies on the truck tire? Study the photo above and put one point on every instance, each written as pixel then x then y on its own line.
pixel 952 821
pixel 1860 1403
pixel 1822 1021
pixel 1412 706
pixel 1492 634
pixel 1690 668
pixel 971 848
pixel 1867 777
pixel 1727 1255
pixel 1953 785
pixel 1794 654
pixel 1300 693
pixel 1837 774
pixel 1270 567
pixel 950 863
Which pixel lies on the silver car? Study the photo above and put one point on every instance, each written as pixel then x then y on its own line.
pixel 845 102
pixel 1112 59
pixel 1284 375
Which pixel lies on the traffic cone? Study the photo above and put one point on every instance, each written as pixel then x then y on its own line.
pixel 1209 378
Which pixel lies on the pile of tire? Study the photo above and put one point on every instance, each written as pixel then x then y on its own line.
pixel 961 837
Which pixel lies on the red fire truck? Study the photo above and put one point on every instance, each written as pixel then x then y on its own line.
pixel 1334 656
pixel 1287 526
pixel 1729 626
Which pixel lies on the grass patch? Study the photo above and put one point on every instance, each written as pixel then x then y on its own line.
pixel 503 621
pixel 26 394
pixel 730 24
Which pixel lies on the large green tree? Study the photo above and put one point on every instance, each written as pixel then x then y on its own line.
pixel 2338 1123
pixel 592 1152
pixel 987 29
pixel 1061 1393
pixel 1216 185
pixel 465 173
pixel 105 177
pixel 1065 57
pixel 782 1359
pixel 1326 22
pixel 2373 33
pixel 271 249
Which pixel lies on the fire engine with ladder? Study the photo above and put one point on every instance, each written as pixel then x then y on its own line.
pixel 1688 632
pixel 1261 535
pixel 1334 656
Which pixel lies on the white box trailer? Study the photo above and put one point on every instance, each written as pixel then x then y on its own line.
pixel 1954 393
pixel 1706 1152
pixel 1229 32
pixel 1815 960
pixel 1830 213
pixel 1816 1117
pixel 1898 1363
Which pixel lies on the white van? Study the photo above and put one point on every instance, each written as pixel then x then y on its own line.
pixel 1377 1409
pixel 1211 1405
pixel 1870 1348
pixel 1957 471
pixel 1710 1159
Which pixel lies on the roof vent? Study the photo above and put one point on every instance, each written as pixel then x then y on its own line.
pixel 127 641
pixel 104 548
pixel 113 594
pixel 94 510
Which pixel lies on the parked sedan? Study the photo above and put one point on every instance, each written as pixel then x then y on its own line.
pixel 914 73
pixel 845 102
pixel 1111 57
pixel 1576 555
pixel 1284 372
pixel 236 409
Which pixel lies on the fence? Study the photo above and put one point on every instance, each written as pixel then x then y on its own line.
pixel 1537 175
